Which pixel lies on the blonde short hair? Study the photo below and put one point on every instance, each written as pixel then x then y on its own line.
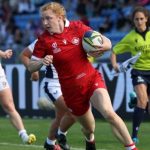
pixel 57 8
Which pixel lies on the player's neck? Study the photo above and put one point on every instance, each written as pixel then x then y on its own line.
pixel 61 27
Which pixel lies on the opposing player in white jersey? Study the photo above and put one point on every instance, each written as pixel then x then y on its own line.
pixel 52 90
pixel 7 103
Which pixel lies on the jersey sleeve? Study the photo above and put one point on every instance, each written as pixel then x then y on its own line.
pixel 83 28
pixel 123 46
pixel 39 49
pixel 32 45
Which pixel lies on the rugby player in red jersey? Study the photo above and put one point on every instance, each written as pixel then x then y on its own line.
pixel 81 83
pixel 63 120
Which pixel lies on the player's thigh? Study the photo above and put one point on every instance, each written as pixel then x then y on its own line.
pixel 60 106
pixel 101 102
pixel 87 120
pixel 5 92
pixel 6 99
pixel 54 94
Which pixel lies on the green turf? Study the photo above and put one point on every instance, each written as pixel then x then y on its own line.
pixel 104 138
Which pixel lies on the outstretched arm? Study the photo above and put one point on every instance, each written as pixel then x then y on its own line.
pixel 35 65
pixel 6 54
pixel 25 58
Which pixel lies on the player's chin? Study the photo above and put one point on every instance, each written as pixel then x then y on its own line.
pixel 49 29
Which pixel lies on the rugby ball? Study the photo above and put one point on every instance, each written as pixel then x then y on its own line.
pixel 91 41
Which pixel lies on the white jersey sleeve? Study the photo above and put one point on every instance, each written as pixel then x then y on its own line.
pixel 31 46
pixel 50 71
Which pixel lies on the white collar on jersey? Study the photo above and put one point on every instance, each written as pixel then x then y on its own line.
pixel 67 23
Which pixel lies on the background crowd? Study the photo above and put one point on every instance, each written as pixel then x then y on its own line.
pixel 20 22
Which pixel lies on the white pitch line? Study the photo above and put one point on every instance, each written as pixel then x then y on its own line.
pixel 22 145
pixel 38 146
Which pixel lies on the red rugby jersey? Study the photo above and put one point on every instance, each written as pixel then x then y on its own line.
pixel 69 58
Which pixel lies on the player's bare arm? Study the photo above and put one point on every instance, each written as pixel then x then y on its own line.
pixel 35 65
pixel 25 58
pixel 6 54
pixel 106 45
pixel 113 60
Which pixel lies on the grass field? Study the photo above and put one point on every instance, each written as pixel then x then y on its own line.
pixel 105 140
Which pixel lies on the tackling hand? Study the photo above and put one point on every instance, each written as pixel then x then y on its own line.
pixel 7 54
pixel 47 60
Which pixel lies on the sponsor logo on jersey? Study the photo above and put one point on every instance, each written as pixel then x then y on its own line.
pixel 55 92
pixel 54 45
pixel 140 79
pixel 136 40
pixel 96 84
pixel 55 48
pixel 80 75
pixel 75 41
pixel 65 41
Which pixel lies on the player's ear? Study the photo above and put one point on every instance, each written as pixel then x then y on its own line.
pixel 60 18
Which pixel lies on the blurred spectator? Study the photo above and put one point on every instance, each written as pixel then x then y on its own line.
pixel 32 30
pixel 59 1
pixel 31 25
pixel 6 10
pixel 3 33
pixel 143 2
pixel 81 8
pixel 18 36
pixel 98 6
pixel 14 5
pixel 25 6
pixel 39 3
pixel 70 5
pixel 106 26
pixel 82 11
pixel 106 16
pixel 10 29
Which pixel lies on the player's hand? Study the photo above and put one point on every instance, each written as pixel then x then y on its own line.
pixel 96 53
pixel 35 76
pixel 123 68
pixel 7 54
pixel 106 45
pixel 116 67
pixel 47 60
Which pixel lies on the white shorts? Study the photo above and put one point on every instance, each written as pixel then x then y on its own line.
pixel 3 81
pixel 52 89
